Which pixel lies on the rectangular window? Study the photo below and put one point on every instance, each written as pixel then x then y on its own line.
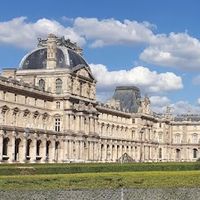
pixel 4 95
pixel 15 98
pixel 26 100
pixel 57 124
pixel 58 105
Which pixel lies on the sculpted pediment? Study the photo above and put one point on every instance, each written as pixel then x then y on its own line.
pixel 84 72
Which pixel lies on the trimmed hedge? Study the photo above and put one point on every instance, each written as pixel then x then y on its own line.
pixel 26 169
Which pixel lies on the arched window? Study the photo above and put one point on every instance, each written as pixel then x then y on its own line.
pixel 160 153
pixel 48 143
pixel 57 145
pixel 160 137
pixel 195 151
pixel 177 138
pixel 58 86
pixel 57 124
pixel 42 84
pixel 5 146
pixel 194 138
pixel 17 143
pixel 28 148
pixel 178 154
pixel 38 144
pixel 58 104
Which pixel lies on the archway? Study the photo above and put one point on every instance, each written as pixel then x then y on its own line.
pixel 195 152
pixel 17 143
pixel 28 146
pixel 48 143
pixel 178 154
pixel 57 144
pixel 5 148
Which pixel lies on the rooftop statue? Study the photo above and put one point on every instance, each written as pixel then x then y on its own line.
pixel 61 42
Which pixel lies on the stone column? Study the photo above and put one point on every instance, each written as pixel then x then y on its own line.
pixel 120 151
pixel 149 151
pixel 77 128
pixel 92 150
pixel 115 153
pixel 133 151
pixel 101 152
pixel 99 156
pixel 130 150
pixel 90 124
pixel 33 150
pixel 1 145
pixel 61 151
pixel 93 124
pixel 70 152
pixel 64 150
pixel 81 147
pixel 71 122
pixel 88 152
pixel 80 123
pixel 43 150
pixel 11 148
pixel 22 150
pixel 106 152
pixel 52 151
pixel 67 122
pixel 77 148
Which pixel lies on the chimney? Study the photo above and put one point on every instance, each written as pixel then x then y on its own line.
pixel 51 51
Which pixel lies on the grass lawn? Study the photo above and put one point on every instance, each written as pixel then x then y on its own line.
pixel 170 179
pixel 99 176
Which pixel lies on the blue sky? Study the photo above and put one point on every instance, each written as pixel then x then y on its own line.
pixel 154 45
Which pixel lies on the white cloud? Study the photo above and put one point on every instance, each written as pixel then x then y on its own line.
pixel 175 50
pixel 184 107
pixel 179 50
pixel 112 32
pixel 148 81
pixel 23 34
pixel 160 103
pixel 159 100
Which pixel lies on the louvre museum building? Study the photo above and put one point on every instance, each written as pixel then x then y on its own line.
pixel 49 113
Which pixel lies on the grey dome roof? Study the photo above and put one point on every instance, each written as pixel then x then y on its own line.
pixel 66 58
pixel 66 54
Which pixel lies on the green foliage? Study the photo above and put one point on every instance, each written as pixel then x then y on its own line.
pixel 175 179
pixel 31 169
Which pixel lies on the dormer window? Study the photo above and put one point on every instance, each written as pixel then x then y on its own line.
pixel 42 84
pixel 58 86
pixel 58 104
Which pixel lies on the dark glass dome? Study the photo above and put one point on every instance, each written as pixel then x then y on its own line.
pixel 66 58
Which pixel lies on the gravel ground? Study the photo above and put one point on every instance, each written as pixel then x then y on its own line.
pixel 121 194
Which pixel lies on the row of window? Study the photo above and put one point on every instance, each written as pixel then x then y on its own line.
pixel 178 153
pixel 177 138
pixel 28 147
pixel 58 85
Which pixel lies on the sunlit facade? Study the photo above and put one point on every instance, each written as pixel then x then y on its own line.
pixel 49 113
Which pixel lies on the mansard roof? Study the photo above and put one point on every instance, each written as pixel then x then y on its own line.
pixel 68 55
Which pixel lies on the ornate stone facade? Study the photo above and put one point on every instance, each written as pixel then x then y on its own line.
pixel 49 113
